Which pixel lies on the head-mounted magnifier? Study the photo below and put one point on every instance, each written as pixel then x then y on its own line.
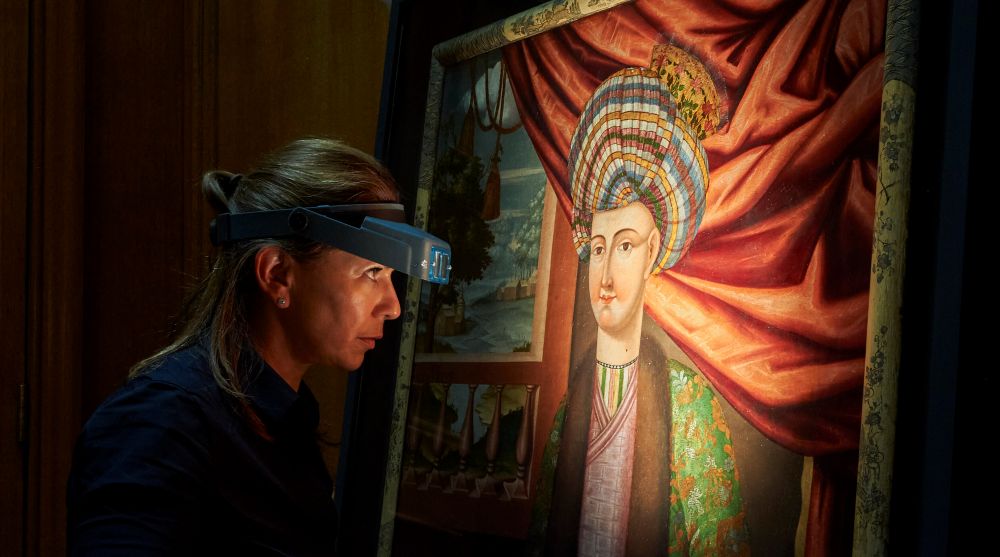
pixel 375 231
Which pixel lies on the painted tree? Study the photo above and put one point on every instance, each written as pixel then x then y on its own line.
pixel 456 202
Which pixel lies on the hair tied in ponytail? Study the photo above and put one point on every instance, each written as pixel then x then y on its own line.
pixel 232 184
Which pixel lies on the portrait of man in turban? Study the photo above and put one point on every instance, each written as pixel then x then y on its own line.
pixel 645 459
pixel 713 169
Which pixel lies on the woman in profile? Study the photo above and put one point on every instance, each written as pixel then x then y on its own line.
pixel 211 445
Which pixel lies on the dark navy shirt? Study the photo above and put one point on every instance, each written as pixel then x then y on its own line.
pixel 170 464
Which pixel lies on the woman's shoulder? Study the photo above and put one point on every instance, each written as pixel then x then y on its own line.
pixel 185 370
pixel 148 451
pixel 177 394
pixel 166 421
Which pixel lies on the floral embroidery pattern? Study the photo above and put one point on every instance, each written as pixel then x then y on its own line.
pixel 871 499
pixel 706 506
pixel 691 87
pixel 893 141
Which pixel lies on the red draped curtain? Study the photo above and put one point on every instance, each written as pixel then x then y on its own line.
pixel 771 300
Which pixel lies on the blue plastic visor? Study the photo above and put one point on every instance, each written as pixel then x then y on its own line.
pixel 375 231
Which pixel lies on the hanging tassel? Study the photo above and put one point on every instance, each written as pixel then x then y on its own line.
pixel 467 141
pixel 491 197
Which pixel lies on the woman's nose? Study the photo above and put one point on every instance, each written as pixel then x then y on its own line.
pixel 388 308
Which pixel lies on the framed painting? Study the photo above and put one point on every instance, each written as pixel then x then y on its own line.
pixel 672 323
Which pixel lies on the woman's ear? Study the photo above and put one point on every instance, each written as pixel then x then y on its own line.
pixel 273 271
pixel 654 251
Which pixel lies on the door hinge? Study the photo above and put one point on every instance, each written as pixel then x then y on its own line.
pixel 22 413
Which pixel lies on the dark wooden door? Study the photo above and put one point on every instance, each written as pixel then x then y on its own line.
pixel 13 223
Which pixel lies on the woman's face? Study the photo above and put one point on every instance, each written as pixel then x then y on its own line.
pixel 338 303
pixel 623 245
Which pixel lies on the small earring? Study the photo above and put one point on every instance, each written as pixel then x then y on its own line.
pixel 282 301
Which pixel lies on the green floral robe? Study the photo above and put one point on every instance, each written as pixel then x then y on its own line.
pixel 706 507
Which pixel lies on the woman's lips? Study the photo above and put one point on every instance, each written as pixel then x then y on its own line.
pixel 369 341
pixel 606 298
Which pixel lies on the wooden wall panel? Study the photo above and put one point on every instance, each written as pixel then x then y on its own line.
pixel 13 252
pixel 55 266
pixel 200 47
pixel 290 69
pixel 134 269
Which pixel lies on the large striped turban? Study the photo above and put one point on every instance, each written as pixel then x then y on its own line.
pixel 633 144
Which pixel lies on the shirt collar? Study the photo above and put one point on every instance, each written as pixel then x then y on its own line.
pixel 282 410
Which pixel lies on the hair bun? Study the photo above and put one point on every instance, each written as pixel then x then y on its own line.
pixel 231 184
pixel 218 188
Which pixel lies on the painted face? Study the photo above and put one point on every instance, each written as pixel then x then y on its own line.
pixel 340 304
pixel 623 244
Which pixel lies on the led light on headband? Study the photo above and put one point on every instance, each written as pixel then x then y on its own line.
pixel 375 231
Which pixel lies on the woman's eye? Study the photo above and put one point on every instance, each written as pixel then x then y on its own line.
pixel 373 272
pixel 598 250
pixel 624 247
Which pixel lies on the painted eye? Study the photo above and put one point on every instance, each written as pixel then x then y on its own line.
pixel 598 250
pixel 373 272
pixel 625 246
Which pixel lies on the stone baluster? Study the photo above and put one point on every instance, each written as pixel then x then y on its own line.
pixel 486 485
pixel 434 478
pixel 460 480
pixel 518 489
